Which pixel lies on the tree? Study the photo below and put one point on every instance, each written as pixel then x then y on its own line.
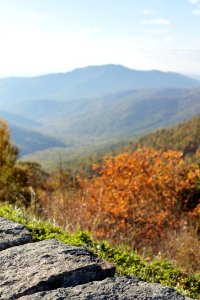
pixel 137 195
pixel 8 151
pixel 8 157
pixel 18 180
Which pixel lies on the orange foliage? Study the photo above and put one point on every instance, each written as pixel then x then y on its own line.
pixel 137 195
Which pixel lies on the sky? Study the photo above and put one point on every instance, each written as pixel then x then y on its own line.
pixel 50 36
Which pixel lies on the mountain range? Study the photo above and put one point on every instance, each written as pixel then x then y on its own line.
pixel 84 106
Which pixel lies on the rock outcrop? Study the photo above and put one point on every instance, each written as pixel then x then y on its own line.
pixel 110 289
pixel 48 265
pixel 13 234
pixel 52 270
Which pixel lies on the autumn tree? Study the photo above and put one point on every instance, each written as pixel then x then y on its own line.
pixel 8 151
pixel 8 156
pixel 18 180
pixel 136 196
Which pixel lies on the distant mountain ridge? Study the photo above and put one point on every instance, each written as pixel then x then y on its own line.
pixel 89 82
pixel 96 102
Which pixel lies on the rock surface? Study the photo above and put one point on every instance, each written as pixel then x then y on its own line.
pixel 51 270
pixel 13 234
pixel 111 288
pixel 48 265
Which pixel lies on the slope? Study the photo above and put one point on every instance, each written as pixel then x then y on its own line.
pixel 184 137
pixel 114 115
pixel 19 120
pixel 29 141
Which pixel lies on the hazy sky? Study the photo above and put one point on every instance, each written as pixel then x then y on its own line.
pixel 42 36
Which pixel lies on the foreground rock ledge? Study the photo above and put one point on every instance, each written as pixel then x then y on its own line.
pixel 51 270
pixel 13 234
pixel 111 288
pixel 48 265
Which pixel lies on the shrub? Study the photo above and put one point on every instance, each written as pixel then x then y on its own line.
pixel 134 197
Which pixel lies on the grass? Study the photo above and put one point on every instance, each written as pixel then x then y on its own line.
pixel 127 261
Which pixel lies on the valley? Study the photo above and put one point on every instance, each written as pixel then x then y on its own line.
pixel 93 108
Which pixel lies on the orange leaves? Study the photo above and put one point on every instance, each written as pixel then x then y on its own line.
pixel 139 190
pixel 193 174
pixel 196 211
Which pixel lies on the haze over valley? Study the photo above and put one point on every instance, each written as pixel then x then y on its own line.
pixel 94 105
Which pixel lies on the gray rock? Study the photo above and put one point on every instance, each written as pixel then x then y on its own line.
pixel 120 288
pixel 52 270
pixel 48 265
pixel 13 234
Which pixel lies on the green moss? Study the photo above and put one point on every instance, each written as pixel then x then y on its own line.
pixel 127 261
pixel 42 230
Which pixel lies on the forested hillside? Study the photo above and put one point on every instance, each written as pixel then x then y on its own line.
pixel 184 137
pixel 29 141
